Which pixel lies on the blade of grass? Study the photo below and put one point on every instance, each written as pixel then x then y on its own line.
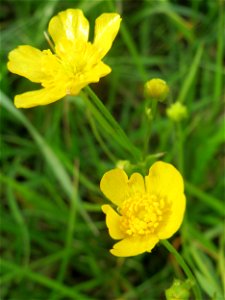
pixel 43 280
pixel 169 10
pixel 25 239
pixel 56 166
pixel 191 75
pixel 210 201
pixel 129 42
pixel 205 266
pixel 69 235
pixel 219 60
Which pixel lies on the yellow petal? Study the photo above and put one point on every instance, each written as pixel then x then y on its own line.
pixel 69 25
pixel 134 245
pixel 114 185
pixel 136 183
pixel 106 29
pixel 26 61
pixel 113 222
pixel 165 180
pixel 174 220
pixel 96 73
pixel 39 97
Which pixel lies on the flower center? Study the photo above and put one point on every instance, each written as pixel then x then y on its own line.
pixel 143 214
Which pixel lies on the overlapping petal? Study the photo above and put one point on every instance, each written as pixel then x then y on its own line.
pixel 98 71
pixel 174 219
pixel 132 246
pixel 136 183
pixel 113 222
pixel 26 61
pixel 152 209
pixel 114 185
pixel 106 28
pixel 75 62
pixel 164 179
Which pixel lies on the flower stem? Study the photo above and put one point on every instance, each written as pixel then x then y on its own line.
pixel 180 148
pixel 150 119
pixel 184 267
pixel 107 121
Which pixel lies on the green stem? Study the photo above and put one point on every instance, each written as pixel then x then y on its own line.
pixel 180 148
pixel 185 268
pixel 96 106
pixel 100 140
pixel 150 119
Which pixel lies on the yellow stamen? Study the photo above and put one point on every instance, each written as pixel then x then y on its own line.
pixel 143 214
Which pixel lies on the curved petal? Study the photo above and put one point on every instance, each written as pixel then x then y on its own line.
pixel 113 222
pixel 174 220
pixel 106 29
pixel 39 97
pixel 98 71
pixel 134 245
pixel 114 185
pixel 69 25
pixel 136 183
pixel 26 61
pixel 164 180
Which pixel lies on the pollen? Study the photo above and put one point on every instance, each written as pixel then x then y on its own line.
pixel 143 214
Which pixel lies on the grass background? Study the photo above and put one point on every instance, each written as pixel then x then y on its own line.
pixel 54 242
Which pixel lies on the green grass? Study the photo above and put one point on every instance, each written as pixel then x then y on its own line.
pixel 54 241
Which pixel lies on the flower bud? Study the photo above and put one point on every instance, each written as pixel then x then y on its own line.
pixel 179 290
pixel 177 112
pixel 156 89
pixel 148 113
pixel 123 164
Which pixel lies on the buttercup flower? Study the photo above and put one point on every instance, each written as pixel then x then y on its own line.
pixel 148 210
pixel 75 62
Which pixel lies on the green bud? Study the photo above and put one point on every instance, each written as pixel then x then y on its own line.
pixel 156 89
pixel 148 113
pixel 180 290
pixel 123 164
pixel 177 112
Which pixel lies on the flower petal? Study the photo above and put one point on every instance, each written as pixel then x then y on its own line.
pixel 69 25
pixel 106 29
pixel 26 61
pixel 98 71
pixel 174 219
pixel 134 245
pixel 39 97
pixel 114 185
pixel 136 183
pixel 113 222
pixel 165 180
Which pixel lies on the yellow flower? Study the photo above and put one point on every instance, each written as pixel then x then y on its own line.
pixel 75 63
pixel 149 209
